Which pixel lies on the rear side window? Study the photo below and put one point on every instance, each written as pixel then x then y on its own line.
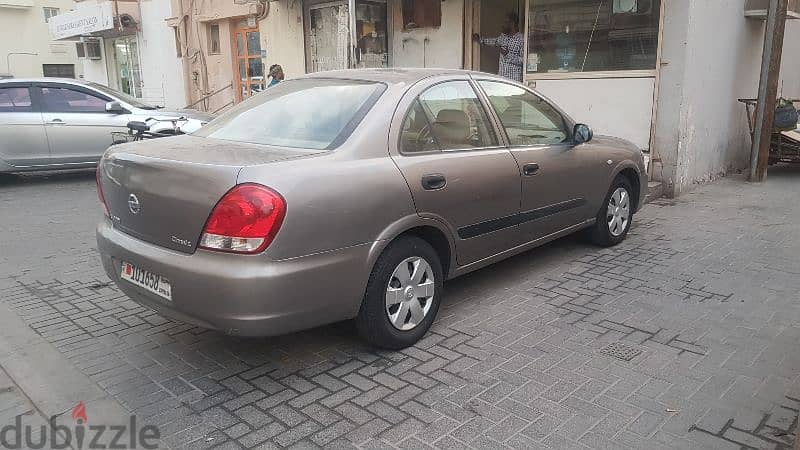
pixel 317 114
pixel 15 99
pixel 457 118
pixel 58 99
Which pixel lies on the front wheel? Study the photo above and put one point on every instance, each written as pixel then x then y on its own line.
pixel 402 296
pixel 615 215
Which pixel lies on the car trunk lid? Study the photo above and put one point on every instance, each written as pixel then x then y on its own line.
pixel 162 191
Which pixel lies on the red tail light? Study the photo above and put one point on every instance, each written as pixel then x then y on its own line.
pixel 100 191
pixel 246 220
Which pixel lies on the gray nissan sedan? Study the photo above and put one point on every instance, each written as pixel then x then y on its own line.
pixel 354 194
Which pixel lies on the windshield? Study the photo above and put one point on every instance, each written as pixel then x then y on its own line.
pixel 129 99
pixel 317 114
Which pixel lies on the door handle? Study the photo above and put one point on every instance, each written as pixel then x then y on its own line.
pixel 433 182
pixel 56 122
pixel 530 169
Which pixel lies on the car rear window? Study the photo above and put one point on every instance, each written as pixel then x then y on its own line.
pixel 315 114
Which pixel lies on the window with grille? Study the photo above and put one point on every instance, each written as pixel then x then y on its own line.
pixel 49 13
pixel 213 39
pixel 59 70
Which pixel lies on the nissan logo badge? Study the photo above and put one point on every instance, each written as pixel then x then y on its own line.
pixel 133 204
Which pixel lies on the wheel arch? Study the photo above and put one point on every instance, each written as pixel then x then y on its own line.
pixel 630 173
pixel 432 231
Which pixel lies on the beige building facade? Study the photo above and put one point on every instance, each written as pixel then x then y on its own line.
pixel 26 47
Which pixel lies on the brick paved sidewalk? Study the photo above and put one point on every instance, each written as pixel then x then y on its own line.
pixel 684 336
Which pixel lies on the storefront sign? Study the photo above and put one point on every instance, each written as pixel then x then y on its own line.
pixel 82 21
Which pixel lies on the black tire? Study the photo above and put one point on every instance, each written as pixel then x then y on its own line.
pixel 373 322
pixel 601 234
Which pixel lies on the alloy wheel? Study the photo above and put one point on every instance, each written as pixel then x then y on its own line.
pixel 619 211
pixel 409 295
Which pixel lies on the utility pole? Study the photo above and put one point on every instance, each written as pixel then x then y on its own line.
pixel 768 89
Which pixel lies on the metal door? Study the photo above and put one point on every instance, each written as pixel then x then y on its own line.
pixel 23 141
pixel 327 36
pixel 77 124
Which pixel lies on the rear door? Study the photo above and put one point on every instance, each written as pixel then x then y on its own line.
pixel 558 177
pixel 449 152
pixel 23 141
pixel 78 126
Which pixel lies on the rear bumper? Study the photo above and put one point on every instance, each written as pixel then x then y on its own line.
pixel 243 295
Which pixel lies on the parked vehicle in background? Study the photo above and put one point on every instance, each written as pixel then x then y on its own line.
pixel 372 188
pixel 51 124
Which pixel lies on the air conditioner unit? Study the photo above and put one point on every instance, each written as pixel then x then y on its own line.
pixel 757 9
pixel 89 49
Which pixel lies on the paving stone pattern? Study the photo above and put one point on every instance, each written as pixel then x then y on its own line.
pixel 704 293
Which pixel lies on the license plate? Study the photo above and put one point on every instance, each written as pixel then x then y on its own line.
pixel 150 281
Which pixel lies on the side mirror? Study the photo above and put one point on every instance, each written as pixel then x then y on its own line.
pixel 115 108
pixel 582 134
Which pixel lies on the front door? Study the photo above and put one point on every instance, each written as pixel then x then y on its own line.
pixel 249 66
pixel 336 40
pixel 77 124
pixel 558 179
pixel 457 171
pixel 23 141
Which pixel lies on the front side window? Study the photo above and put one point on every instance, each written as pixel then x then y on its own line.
pixel 15 99
pixel 527 119
pixel 317 114
pixel 58 99
pixel 457 118
pixel 592 35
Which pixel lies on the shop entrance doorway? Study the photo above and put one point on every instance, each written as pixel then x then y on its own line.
pixel 487 20
pixel 127 71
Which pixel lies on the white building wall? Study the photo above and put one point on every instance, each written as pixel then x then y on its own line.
pixel 441 47
pixel 620 107
pixel 282 38
pixel 162 70
pixel 23 29
pixel 96 70
pixel 715 53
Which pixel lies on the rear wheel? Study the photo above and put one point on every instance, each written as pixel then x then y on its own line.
pixel 403 295
pixel 615 215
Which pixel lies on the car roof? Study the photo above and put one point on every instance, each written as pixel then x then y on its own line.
pixel 392 76
pixel 18 81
